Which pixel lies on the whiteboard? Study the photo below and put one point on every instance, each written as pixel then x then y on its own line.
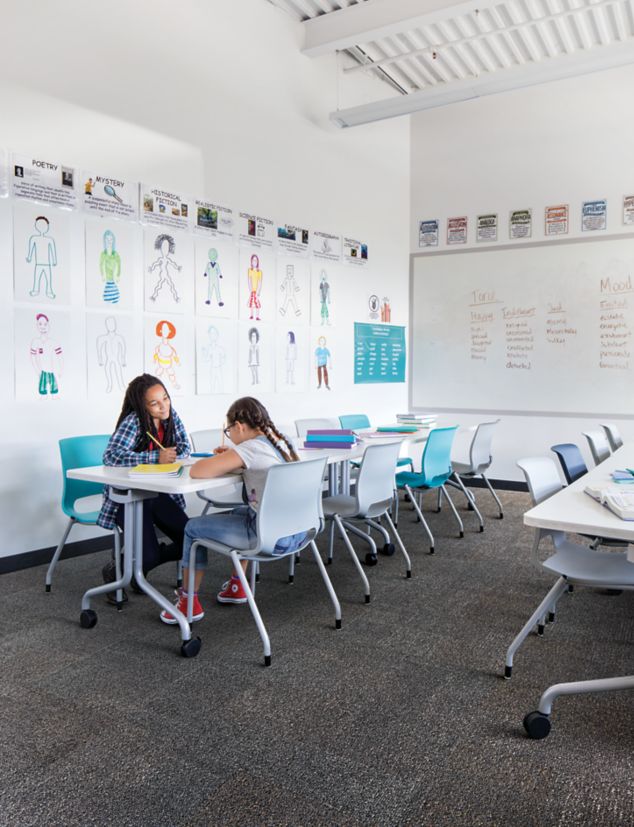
pixel 543 328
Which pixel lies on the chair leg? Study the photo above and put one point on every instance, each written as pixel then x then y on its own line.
pixel 254 575
pixel 118 595
pixel 421 518
pixel 438 501
pixel 453 508
pixel 58 551
pixel 205 510
pixel 329 587
pixel 179 574
pixel 353 555
pixel 266 643
pixel 291 568
pixel 470 499
pixel 395 506
pixel 495 496
pixel 397 536
pixel 537 617
pixel 331 542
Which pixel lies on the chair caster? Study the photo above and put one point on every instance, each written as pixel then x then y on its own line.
pixel 437 510
pixel 371 559
pixel 388 549
pixel 257 577
pixel 408 574
pixel 501 516
pixel 481 529
pixel 48 587
pixel 540 629
pixel 179 583
pixel 291 578
pixel 298 559
pixel 537 725
pixel 469 506
pixel 551 617
pixel 431 549
pixel 337 623
pixel 329 561
pixel 461 535
pixel 267 660
pixel 88 619
pixel 191 648
pixel 367 598
pixel 508 671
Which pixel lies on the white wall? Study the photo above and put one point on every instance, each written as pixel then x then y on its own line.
pixel 563 142
pixel 211 98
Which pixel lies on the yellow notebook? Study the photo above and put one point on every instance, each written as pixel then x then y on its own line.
pixel 169 469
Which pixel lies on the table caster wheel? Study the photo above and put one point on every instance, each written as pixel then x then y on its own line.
pixel 88 619
pixel 371 559
pixel 191 648
pixel 388 549
pixel 537 725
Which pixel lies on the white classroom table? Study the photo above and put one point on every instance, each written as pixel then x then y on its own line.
pixel 573 511
pixel 132 492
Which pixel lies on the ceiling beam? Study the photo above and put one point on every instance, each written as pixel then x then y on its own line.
pixel 504 80
pixel 376 19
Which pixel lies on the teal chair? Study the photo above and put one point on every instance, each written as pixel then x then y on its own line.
pixel 435 471
pixel 81 452
pixel 355 421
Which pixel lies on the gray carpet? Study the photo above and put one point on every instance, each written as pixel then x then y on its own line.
pixel 400 718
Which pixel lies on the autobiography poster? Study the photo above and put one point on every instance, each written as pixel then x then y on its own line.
pixel 165 208
pixel 108 195
pixel 428 233
pixel 556 220
pixel 487 227
pixel 520 223
pixel 40 179
pixel 457 230
pixel 214 219
pixel 594 215
pixel 325 246
pixel 256 231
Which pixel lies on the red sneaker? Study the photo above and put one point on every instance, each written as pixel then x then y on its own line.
pixel 181 605
pixel 232 592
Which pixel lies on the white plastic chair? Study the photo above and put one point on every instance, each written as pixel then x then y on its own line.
pixel 373 497
pixel 614 437
pixel 574 565
pixel 599 445
pixel 290 504
pixel 207 441
pixel 323 423
pixel 479 461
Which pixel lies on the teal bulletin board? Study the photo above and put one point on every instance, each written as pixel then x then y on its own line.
pixel 379 353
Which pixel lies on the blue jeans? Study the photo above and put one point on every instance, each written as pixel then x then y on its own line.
pixel 236 529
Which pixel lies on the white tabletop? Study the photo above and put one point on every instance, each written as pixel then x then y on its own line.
pixel 574 511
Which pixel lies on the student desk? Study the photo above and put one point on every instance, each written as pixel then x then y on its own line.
pixel 571 510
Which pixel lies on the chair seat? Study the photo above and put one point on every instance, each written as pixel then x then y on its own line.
pixel 583 565
pixel 342 505
pixel 419 480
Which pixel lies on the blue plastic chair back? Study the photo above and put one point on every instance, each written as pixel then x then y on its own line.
pixel 571 460
pixel 353 421
pixel 80 452
pixel 436 461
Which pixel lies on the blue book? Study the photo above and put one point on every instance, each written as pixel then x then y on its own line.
pixel 329 438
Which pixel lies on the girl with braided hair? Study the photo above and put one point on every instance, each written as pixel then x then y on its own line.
pixel 256 446
pixel 146 410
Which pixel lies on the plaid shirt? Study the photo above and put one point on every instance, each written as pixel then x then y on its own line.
pixel 120 451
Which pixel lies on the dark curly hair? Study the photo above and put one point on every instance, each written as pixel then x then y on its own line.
pixel 134 403
pixel 251 412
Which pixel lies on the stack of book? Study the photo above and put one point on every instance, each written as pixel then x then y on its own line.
pixel 143 471
pixel 421 420
pixel 330 438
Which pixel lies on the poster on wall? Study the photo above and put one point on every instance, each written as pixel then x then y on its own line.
pixel 257 285
pixel 49 355
pixel 487 227
pixel 4 173
pixel 255 231
pixel 428 231
pixel 628 209
pixel 41 254
pixel 322 368
pixel 216 280
pixel 168 352
pixel 379 353
pixel 168 271
pixel 291 358
pixel 293 290
pixel 355 252
pixel 520 223
pixel 106 195
pixel 556 220
pixel 216 356
pixel 165 208
pixel 213 219
pixel 323 303
pixel 594 215
pixel 39 179
pixel 256 358
pixel 112 261
pixel 114 353
pixel 325 246
pixel 293 240
pixel 457 230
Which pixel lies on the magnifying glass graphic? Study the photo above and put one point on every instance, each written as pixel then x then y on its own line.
pixel 111 192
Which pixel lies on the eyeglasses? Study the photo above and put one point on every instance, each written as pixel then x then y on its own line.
pixel 226 431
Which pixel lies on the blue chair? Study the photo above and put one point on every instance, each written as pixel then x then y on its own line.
pixel 435 471
pixel 571 461
pixel 354 421
pixel 81 452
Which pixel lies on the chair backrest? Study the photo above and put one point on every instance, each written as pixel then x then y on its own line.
pixel 206 440
pixel 436 460
pixel 612 432
pixel 571 460
pixel 353 421
pixel 375 484
pixel 480 450
pixel 304 425
pixel 599 445
pixel 542 477
pixel 80 452
pixel 291 502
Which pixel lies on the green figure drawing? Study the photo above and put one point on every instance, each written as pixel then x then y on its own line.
pixel 324 298
pixel 110 268
pixel 214 274
pixel 46 357
pixel 43 253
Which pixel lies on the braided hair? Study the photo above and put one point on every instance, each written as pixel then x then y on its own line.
pixel 134 403
pixel 251 412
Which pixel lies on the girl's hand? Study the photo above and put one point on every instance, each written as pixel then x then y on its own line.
pixel 167 455
pixel 221 449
